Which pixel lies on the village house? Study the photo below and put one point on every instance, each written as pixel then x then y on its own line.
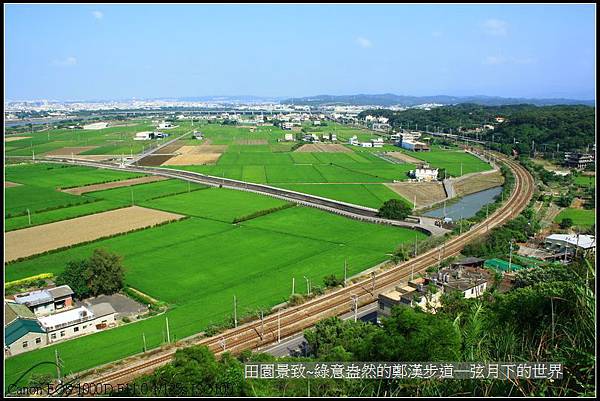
pixel 79 321
pixel 44 302
pixel 22 332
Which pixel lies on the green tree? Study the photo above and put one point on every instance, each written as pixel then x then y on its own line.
pixel 106 272
pixel 566 222
pixel 76 275
pixel 332 281
pixel 394 209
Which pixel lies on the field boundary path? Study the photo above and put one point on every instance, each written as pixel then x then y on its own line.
pixel 287 322
pixel 152 150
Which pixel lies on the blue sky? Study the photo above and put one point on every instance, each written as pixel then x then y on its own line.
pixel 85 52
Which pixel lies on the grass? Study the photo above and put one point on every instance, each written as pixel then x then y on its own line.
pixel 62 176
pixel 115 140
pixel 198 265
pixel 581 217
pixel 15 223
pixel 370 195
pixel 588 181
pixel 19 199
pixel 143 192
pixel 215 203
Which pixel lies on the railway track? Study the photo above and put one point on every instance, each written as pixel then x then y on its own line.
pixel 293 320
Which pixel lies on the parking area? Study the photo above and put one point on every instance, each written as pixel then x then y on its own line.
pixel 125 307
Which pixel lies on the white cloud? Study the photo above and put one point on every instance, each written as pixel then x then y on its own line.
pixel 437 34
pixel 67 62
pixel 493 60
pixel 495 27
pixel 98 14
pixel 364 42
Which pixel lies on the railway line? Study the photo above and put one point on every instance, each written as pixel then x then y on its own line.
pixel 293 320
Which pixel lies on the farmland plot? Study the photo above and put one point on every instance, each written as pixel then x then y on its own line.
pixel 35 240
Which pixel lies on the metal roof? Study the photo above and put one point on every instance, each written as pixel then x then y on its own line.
pixel 19 328
pixel 61 291
pixel 34 298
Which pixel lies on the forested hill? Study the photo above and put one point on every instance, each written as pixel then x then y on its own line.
pixel 571 126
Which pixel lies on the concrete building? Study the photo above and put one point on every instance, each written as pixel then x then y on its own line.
pixel 165 125
pixel 415 146
pixel 366 145
pixel 23 335
pixel 289 137
pixel 578 161
pixel 198 135
pixel 143 136
pixel 353 141
pixel 44 302
pixel 568 243
pixel 381 127
pixel 79 321
pixel 424 173
pixel 421 292
pixel 471 282
pixel 333 137
pixel 377 143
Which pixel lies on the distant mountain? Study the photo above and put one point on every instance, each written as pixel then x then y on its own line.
pixel 389 99
pixel 229 99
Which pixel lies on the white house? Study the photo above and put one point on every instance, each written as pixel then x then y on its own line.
pixel 79 321
pixel 377 143
pixel 165 125
pixel 353 141
pixel 325 137
pixel 143 136
pixel 366 145
pixel 289 137
pixel 424 173
pixel 316 122
pixel 333 137
pixel 414 145
pixel 563 242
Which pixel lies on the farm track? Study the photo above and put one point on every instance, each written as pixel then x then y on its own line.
pixel 293 320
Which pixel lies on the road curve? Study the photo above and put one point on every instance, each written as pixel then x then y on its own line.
pixel 295 319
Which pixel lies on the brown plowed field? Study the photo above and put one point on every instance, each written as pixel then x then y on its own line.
pixel 116 184
pixel 69 151
pixel 323 147
pixel 15 138
pixel 426 192
pixel 404 157
pixel 154 160
pixel 39 239
pixel 251 142
pixel 196 154
pixel 8 184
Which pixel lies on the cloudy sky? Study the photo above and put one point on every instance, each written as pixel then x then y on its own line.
pixel 85 52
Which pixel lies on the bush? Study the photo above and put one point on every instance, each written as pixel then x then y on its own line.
pixel 566 223
pixel 332 281
pixel 394 209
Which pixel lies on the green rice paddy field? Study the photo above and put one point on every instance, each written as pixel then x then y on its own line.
pixel 198 264
pixel 115 140
pixel 270 163
pixel 581 217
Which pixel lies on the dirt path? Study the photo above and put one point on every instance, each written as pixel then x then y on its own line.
pixel 9 184
pixel 323 147
pixel 426 193
pixel 403 157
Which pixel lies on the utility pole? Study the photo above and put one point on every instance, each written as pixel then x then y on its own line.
pixel 345 271
pixel 307 285
pixel 415 202
pixel 279 326
pixel 416 249
pixel 168 333
pixel 29 216
pixel 235 322
pixel 293 285
pixel 373 283
pixel 355 300
pixel 57 364
pixel 510 256
pixel 144 340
